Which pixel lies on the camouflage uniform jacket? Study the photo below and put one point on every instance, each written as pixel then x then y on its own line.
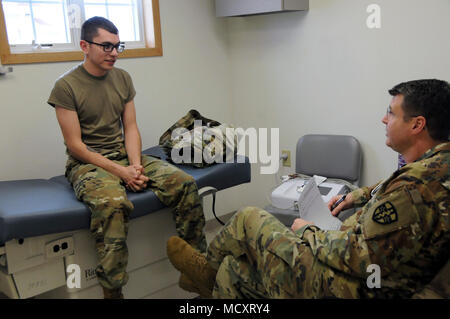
pixel 205 141
pixel 403 227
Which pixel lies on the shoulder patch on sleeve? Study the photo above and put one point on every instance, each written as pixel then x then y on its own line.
pixel 389 213
pixel 385 214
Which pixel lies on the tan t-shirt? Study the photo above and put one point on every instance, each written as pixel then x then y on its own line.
pixel 99 103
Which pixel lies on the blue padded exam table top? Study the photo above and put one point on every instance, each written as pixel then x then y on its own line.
pixel 38 206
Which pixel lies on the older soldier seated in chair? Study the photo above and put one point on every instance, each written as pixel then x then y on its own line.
pixel 403 226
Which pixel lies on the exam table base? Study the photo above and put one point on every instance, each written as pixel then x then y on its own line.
pixel 34 271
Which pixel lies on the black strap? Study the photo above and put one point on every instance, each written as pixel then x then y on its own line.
pixel 214 209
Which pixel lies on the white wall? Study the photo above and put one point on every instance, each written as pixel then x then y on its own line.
pixel 321 71
pixel 192 73
pixel 324 71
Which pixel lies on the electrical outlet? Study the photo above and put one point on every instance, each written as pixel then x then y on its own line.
pixel 60 247
pixel 287 161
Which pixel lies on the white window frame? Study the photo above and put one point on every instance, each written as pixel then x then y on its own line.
pixel 150 44
pixel 75 32
pixel 34 47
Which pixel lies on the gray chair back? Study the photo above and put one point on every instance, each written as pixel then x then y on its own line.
pixel 333 156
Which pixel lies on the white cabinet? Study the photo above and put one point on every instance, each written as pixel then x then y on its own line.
pixel 230 8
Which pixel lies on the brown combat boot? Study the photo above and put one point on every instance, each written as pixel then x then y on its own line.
pixel 191 263
pixel 188 285
pixel 112 293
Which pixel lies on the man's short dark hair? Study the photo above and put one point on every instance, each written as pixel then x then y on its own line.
pixel 89 29
pixel 430 99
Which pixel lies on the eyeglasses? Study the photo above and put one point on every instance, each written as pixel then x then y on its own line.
pixel 389 112
pixel 109 47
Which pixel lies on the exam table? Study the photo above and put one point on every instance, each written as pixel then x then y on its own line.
pixel 47 251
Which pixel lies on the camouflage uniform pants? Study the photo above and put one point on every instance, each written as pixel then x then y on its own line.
pixel 106 197
pixel 258 257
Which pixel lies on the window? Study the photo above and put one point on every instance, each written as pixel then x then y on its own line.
pixel 49 30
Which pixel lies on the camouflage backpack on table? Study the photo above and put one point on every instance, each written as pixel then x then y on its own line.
pixel 198 141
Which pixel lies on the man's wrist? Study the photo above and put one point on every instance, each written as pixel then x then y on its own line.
pixel 359 196
pixel 117 170
pixel 137 163
pixel 135 160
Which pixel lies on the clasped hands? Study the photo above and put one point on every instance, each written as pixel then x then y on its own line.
pixel 134 178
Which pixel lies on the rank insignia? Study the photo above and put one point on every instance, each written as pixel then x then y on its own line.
pixel 385 214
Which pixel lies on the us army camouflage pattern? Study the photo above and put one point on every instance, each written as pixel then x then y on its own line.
pixel 403 228
pixel 187 122
pixel 106 197
pixel 212 135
